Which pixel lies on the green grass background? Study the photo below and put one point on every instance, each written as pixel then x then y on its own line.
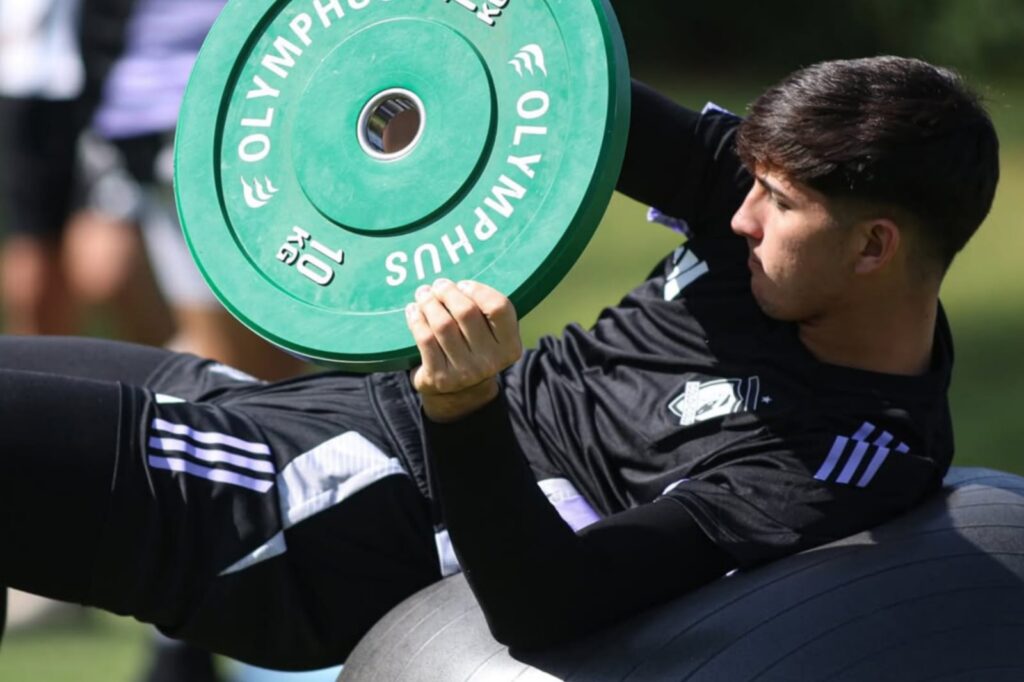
pixel 984 297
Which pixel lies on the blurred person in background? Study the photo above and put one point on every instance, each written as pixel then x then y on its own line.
pixel 54 55
pixel 41 80
pixel 138 114
pixel 130 144
pixel 90 96
pixel 55 258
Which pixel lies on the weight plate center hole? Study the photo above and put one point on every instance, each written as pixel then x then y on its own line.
pixel 391 124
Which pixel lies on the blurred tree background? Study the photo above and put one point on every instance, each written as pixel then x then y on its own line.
pixel 980 36
pixel 728 52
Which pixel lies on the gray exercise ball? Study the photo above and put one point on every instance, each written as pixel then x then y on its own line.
pixel 937 594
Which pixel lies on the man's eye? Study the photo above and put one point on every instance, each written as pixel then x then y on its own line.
pixel 779 204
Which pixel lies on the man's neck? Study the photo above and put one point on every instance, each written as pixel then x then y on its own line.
pixel 894 338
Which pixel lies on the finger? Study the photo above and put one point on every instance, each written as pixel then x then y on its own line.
pixel 496 308
pixel 471 320
pixel 444 327
pixel 431 354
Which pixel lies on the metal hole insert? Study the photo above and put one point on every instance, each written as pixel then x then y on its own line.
pixel 391 124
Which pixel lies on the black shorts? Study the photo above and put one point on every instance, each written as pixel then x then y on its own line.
pixel 38 141
pixel 272 523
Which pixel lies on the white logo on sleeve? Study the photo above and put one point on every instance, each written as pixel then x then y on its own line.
pixel 852 451
pixel 686 269
pixel 706 400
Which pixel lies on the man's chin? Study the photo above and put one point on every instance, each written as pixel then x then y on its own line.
pixel 770 308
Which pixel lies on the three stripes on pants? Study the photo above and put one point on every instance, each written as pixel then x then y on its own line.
pixel 212 456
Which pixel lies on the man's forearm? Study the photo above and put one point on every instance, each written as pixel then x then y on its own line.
pixel 538 583
pixel 660 136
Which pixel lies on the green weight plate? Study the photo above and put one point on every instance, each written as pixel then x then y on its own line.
pixel 334 155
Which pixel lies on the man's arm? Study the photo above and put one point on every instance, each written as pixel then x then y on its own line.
pixel 537 582
pixel 679 161
pixel 660 139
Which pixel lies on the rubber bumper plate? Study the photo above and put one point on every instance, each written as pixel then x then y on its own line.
pixel 334 155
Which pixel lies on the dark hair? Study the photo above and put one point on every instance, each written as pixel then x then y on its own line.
pixel 883 131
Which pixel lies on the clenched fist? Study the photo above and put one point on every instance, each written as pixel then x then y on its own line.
pixel 466 334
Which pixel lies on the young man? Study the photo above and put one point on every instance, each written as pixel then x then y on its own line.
pixel 778 382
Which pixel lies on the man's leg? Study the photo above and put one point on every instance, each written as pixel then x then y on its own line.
pixel 108 272
pixel 34 292
pixel 265 533
pixel 37 151
pixel 337 574
pixel 84 358
pixel 59 445
pixel 60 410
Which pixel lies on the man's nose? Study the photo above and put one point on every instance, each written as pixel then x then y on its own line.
pixel 745 222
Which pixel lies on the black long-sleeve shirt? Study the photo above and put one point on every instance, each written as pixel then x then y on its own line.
pixel 701 431
pixel 537 580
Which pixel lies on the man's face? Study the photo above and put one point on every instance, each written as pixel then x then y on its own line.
pixel 801 259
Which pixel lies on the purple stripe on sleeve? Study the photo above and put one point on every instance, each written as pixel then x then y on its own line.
pixel 567 501
pixel 675 224
pixel 832 460
pixel 853 463
pixel 876 463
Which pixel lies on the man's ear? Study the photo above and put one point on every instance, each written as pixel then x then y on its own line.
pixel 880 242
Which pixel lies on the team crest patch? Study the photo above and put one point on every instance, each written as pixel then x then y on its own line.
pixel 704 400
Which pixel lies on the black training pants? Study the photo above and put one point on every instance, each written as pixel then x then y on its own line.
pixel 271 523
